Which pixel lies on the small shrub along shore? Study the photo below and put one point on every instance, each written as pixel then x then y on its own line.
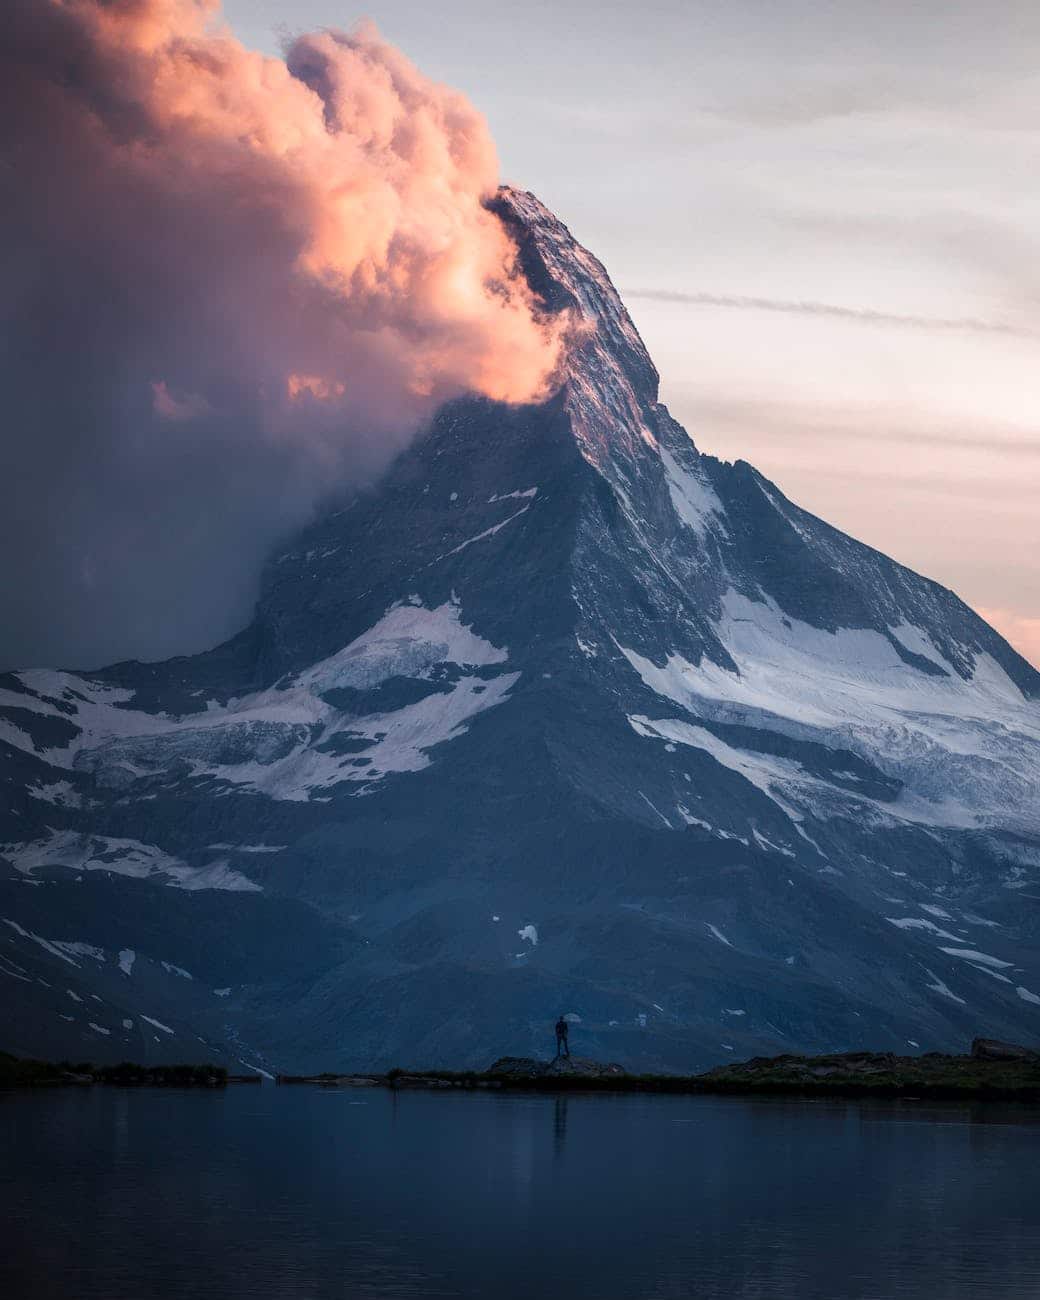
pixel 19 1072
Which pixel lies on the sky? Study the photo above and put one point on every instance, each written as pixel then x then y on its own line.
pixel 824 219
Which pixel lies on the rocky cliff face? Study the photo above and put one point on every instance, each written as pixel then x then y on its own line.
pixel 564 716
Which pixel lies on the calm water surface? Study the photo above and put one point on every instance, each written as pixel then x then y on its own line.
pixel 293 1192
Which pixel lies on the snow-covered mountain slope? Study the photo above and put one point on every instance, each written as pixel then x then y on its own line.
pixel 563 716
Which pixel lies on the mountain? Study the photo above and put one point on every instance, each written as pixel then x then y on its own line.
pixel 562 716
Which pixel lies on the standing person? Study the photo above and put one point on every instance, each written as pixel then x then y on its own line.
pixel 562 1029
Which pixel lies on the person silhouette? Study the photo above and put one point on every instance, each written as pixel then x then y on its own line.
pixel 562 1029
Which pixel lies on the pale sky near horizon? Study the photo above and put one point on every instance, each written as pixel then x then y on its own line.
pixel 836 207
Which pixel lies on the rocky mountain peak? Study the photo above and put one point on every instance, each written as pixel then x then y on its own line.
pixel 611 384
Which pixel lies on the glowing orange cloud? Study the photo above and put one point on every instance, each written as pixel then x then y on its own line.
pixel 315 386
pixel 393 272
pixel 233 284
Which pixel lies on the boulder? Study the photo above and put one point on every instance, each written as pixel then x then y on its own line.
pixel 992 1049
pixel 582 1067
pixel 526 1067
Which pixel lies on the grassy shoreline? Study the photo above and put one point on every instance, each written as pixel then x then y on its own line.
pixel 861 1074
pixel 22 1072
pixel 933 1075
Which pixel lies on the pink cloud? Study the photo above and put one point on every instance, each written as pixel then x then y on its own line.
pixel 233 284
pixel 168 407
pixel 362 183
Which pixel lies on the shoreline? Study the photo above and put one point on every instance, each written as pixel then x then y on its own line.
pixel 683 1085
pixel 23 1072
pixel 992 1072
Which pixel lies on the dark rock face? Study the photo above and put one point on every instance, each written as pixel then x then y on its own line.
pixel 991 1049
pixel 563 715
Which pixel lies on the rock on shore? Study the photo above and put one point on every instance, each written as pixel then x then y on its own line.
pixel 526 1067
pixel 992 1049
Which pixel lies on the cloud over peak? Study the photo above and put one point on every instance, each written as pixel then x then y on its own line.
pixel 233 280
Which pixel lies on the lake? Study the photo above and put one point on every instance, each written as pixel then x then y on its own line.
pixel 297 1192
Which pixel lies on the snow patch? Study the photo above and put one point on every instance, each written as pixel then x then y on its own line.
pixel 653 808
pixel 63 794
pixel 919 923
pixel 978 958
pixel 763 770
pixel 693 498
pixel 769 846
pixel 938 986
pixel 586 647
pixel 717 933
pixel 267 742
pixel 967 752
pixel 78 949
pixel 287 742
pixel 259 1069
pixel 480 537
pixel 56 949
pixel 918 642
pixel 127 957
pixel 690 820
pixel 994 974
pixel 122 857
pixel 408 641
